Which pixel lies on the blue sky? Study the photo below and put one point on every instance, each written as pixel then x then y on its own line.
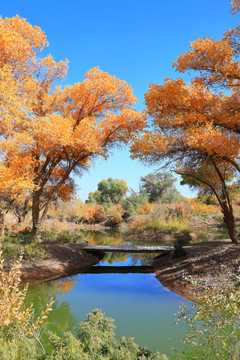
pixel 135 40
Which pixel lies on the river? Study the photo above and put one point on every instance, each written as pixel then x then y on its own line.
pixel 141 306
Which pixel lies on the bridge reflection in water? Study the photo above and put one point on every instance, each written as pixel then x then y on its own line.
pixel 119 270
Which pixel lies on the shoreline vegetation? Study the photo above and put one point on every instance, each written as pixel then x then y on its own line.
pixel 61 253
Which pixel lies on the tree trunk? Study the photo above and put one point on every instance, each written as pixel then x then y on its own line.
pixel 38 216
pixel 226 206
pixel 2 223
pixel 36 220
pixel 229 220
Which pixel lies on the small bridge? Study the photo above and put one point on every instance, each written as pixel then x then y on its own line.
pixel 129 248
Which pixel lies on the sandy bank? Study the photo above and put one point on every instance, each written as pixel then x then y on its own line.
pixel 60 259
pixel 210 263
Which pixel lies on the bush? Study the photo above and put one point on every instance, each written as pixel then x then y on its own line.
pixel 161 223
pixel 198 208
pixel 19 329
pixel 145 209
pixel 214 322
pixel 11 250
pixel 64 236
pixel 168 225
pixel 116 211
pixel 96 341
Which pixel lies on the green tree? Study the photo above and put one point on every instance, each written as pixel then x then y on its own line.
pixel 134 200
pixel 160 187
pixel 109 191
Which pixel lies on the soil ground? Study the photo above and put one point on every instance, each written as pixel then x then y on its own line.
pixel 210 263
pixel 59 260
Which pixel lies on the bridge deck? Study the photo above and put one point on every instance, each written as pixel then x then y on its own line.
pixel 129 248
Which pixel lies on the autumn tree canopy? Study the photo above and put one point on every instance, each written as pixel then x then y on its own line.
pixel 19 42
pixel 60 129
pixel 199 120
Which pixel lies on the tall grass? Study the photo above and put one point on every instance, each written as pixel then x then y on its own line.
pixel 170 225
pixel 163 224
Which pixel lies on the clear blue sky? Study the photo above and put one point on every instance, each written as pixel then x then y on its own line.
pixel 135 40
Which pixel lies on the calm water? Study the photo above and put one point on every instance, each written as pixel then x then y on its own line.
pixel 141 306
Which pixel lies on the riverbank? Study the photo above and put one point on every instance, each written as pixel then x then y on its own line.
pixel 59 260
pixel 209 263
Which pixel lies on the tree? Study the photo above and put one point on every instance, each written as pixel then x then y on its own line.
pixel 195 121
pixel 235 6
pixel 19 42
pixel 109 191
pixel 189 159
pixel 69 127
pixel 133 201
pixel 160 187
pixel 216 177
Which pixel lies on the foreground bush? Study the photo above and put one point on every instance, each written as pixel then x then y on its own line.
pixel 214 322
pixel 96 341
pixel 20 330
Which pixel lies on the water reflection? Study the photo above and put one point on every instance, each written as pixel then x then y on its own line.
pixel 107 237
pixel 61 317
pixel 141 306
pixel 120 270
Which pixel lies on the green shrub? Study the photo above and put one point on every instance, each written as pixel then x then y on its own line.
pixel 96 341
pixel 64 236
pixel 21 237
pixel 214 322
pixel 33 250
pixel 10 250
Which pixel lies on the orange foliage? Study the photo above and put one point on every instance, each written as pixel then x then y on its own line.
pixel 145 209
pixel 92 213
pixel 187 118
pixel 195 127
pixel 19 42
pixel 181 208
pixel 116 211
pixel 195 117
pixel 51 130
pixel 235 6
pixel 199 208
pixel 138 223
